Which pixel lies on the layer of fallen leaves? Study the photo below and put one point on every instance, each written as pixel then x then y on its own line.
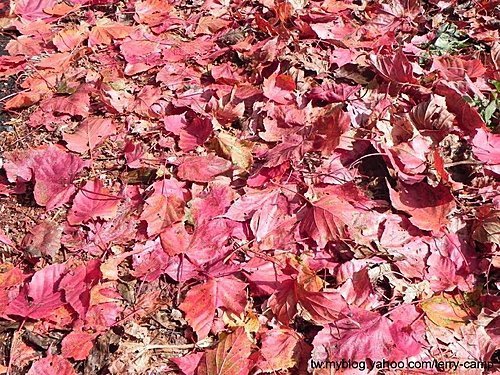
pixel 236 187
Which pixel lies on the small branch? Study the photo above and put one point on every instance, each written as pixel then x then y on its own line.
pixel 170 347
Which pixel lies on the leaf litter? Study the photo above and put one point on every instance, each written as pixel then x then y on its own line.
pixel 240 187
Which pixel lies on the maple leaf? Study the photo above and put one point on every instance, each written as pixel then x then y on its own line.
pixel 194 133
pixel 320 307
pixel 188 363
pixel 52 364
pixel 362 335
pixel 32 10
pixel 280 349
pixel 453 68
pixel 77 283
pixel 240 152
pixel 394 68
pixel 270 215
pixel 321 222
pixel 39 297
pixel 329 126
pixel 428 206
pixel 432 116
pixel 279 88
pixel 333 30
pixel 77 345
pixel 202 300
pixel 161 212
pixel 209 238
pixel 92 201
pixel 175 239
pixel 486 147
pixel 487 226
pixel 106 30
pixel 202 168
pixel 92 132
pixel 152 12
pixel 44 238
pixel 230 357
pixel 211 203
pixel 210 25
pixel 53 170
pixel 148 264
pixel 449 310
pixel 76 104
pixel 69 39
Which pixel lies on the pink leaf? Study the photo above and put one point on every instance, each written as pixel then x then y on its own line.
pixel 53 170
pixel 77 283
pixel 279 88
pixel 486 147
pixel 33 9
pixel 394 67
pixel 279 350
pixel 39 297
pixel 188 363
pixel 92 132
pixel 202 168
pixel 50 365
pixel 77 104
pixel 161 212
pixel 230 357
pixel 77 345
pixel 362 335
pixel 91 202
pixel 428 206
pixel 453 68
pixel 202 300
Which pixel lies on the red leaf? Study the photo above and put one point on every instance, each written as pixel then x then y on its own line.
pixel 270 215
pixel 428 206
pixel 39 297
pixel 330 125
pixel 161 212
pixel 44 238
pixel 486 147
pixel 92 132
pixel 363 335
pixel 70 38
pixel 453 68
pixel 230 357
pixel 394 67
pixel 202 168
pixel 279 350
pixel 211 203
pixel 321 307
pixel 432 116
pixel 279 88
pixel 106 30
pixel 188 363
pixel 77 104
pixel 53 169
pixel 50 365
pixel 77 345
pixel 33 9
pixel 151 263
pixel 202 300
pixel 54 172
pixel 77 283
pixel 91 202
